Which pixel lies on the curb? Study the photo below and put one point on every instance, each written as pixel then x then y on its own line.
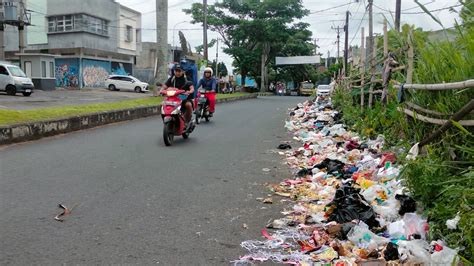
pixel 40 129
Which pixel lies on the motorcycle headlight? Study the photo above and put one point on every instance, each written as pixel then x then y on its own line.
pixel 170 93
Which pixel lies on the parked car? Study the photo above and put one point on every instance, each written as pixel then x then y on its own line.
pixel 306 88
pixel 119 82
pixel 323 90
pixel 14 80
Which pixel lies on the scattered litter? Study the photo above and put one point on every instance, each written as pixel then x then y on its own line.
pixel 348 202
pixel 65 212
pixel 268 201
pixel 245 226
pixel 284 146
pixel 453 223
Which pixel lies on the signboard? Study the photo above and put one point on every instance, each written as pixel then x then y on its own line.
pixel 298 60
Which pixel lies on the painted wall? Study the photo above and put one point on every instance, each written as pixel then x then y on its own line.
pixel 122 68
pixel 95 72
pixel 67 72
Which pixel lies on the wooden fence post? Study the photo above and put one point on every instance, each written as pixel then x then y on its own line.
pixel 385 39
pixel 362 62
pixel 373 62
pixel 410 58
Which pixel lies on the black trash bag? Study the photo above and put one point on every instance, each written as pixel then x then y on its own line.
pixel 333 166
pixel 349 205
pixel 304 172
pixel 284 146
pixel 407 204
pixel 391 252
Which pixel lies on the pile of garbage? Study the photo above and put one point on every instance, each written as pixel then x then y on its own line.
pixel 350 207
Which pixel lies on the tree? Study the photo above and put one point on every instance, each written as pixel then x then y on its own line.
pixel 222 69
pixel 247 25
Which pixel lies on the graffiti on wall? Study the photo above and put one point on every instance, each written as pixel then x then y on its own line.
pixel 94 72
pixel 67 73
pixel 121 68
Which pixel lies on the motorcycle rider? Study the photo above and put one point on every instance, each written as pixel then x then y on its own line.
pixel 178 80
pixel 209 83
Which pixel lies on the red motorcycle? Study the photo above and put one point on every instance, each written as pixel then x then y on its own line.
pixel 173 117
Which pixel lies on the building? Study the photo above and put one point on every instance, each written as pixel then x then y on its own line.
pixel 91 39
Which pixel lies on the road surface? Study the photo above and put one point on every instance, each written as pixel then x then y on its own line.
pixel 135 200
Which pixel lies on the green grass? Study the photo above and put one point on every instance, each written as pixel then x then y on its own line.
pixel 10 117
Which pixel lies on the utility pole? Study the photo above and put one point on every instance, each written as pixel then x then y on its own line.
pixel 21 28
pixel 398 12
pixel 161 67
pixel 206 57
pixel 2 42
pixel 346 44
pixel 217 58
pixel 338 30
pixel 371 51
pixel 315 47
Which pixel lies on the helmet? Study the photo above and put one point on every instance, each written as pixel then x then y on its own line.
pixel 208 69
pixel 177 66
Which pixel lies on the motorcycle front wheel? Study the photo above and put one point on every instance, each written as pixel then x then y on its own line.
pixel 198 116
pixel 168 135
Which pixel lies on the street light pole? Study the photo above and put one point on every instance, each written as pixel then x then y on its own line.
pixel 174 27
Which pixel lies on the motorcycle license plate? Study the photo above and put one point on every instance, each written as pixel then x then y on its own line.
pixel 202 100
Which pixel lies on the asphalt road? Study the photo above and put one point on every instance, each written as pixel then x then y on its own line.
pixel 135 200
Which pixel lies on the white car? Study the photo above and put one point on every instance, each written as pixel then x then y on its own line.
pixel 119 82
pixel 323 90
pixel 13 80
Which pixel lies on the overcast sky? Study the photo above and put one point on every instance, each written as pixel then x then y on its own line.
pixel 320 21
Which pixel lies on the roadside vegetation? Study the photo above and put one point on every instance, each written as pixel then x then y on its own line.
pixel 10 117
pixel 441 179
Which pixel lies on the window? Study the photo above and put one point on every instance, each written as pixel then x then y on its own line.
pixel 78 22
pixel 52 24
pixel 68 23
pixel 16 71
pixel 51 69
pixel 3 71
pixel 128 33
pixel 43 69
pixel 28 68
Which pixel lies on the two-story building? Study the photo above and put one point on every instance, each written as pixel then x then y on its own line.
pixel 91 39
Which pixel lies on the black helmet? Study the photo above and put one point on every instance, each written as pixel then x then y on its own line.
pixel 177 66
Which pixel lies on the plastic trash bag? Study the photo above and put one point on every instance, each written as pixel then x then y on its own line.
pixel 415 226
pixel 361 236
pixel 446 256
pixel 415 251
pixel 407 204
pixel 349 205
pixel 391 252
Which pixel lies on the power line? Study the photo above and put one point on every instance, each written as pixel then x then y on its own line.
pixel 358 28
pixel 319 11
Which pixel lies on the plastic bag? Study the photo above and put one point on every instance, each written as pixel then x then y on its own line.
pixel 391 252
pixel 361 236
pixel 415 251
pixel 396 230
pixel 374 192
pixel 446 256
pixel 415 226
pixel 407 204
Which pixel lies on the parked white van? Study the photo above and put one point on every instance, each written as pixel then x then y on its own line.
pixel 14 80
